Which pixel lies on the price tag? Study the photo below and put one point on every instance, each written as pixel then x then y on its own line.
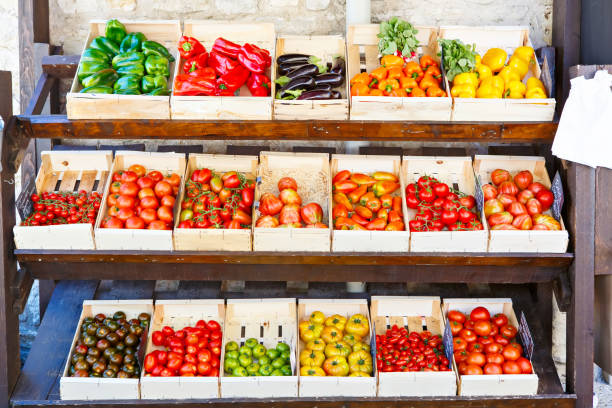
pixel 557 190
pixel 447 340
pixel 23 203
pixel 479 195
pixel 525 335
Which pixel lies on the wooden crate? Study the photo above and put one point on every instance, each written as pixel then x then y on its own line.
pixel 270 321
pixel 416 314
pixel 506 110
pixel 521 241
pixel 325 47
pixel 362 50
pixel 103 106
pixel 244 106
pixel 370 241
pixel 199 239
pixel 179 314
pixel 140 239
pixel 66 171
pixel 311 171
pixel 91 388
pixel 457 172
pixel 501 384
pixel 337 386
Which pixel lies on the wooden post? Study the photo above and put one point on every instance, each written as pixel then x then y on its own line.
pixel 566 40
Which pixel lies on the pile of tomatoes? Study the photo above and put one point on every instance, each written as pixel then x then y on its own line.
pixel 217 200
pixel 64 208
pixel 397 350
pixel 518 204
pixel 189 352
pixel 486 345
pixel 288 207
pixel 139 200
pixel 439 208
pixel 366 202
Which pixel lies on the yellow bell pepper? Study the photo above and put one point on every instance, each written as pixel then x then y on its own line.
pixel 508 75
pixel 495 59
pixel 535 93
pixel 312 358
pixel 358 324
pixel 515 90
pixel 337 321
pixel 463 91
pixel 466 78
pixel 310 331
pixel 483 72
pixel 312 372
pixel 390 61
pixel 519 66
pixel 534 82
pixel 317 317
pixel 525 53
pixel 491 88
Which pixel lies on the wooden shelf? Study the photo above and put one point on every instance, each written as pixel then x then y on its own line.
pixel 59 126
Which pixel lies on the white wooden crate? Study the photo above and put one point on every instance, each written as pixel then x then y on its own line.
pixel 104 106
pixel 362 51
pixel 244 106
pixel 521 241
pixel 500 384
pixel 140 239
pixel 202 239
pixel 91 388
pixel 336 386
pixel 415 314
pixel 311 172
pixel 370 241
pixel 457 172
pixel 503 110
pixel 66 171
pixel 179 314
pixel 270 321
pixel 325 47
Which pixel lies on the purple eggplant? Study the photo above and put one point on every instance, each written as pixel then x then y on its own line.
pixel 303 82
pixel 323 87
pixel 339 66
pixel 336 95
pixel 284 69
pixel 315 95
pixel 332 79
pixel 285 58
pixel 305 70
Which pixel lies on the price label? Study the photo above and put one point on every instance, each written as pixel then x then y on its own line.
pixel 447 340
pixel 23 203
pixel 479 195
pixel 525 335
pixel 557 190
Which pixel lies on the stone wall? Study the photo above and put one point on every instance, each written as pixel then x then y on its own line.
pixel 9 45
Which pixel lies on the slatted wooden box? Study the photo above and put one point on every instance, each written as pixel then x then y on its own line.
pixel 140 239
pixel 270 321
pixel 503 110
pixel 91 388
pixel 241 107
pixel 521 241
pixel 336 386
pixel 362 50
pixel 103 106
pixel 457 172
pixel 325 47
pixel 311 172
pixel 66 171
pixel 416 314
pixel 179 314
pixel 370 241
pixel 501 384
pixel 200 239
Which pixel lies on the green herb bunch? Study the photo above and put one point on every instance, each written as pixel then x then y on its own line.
pixel 457 57
pixel 397 36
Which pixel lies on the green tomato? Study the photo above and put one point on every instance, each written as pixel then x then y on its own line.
pixel 245 360
pixel 263 360
pixel 285 354
pixel 286 369
pixel 259 351
pixel 230 364
pixel 246 350
pixel 278 362
pixel 265 370
pixel 277 373
pixel 282 347
pixel 239 372
pixel 251 342
pixel 253 369
pixel 232 354
pixel 231 346
pixel 187 215
pixel 272 354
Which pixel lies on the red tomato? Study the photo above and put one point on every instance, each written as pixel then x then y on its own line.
pixel 467 201
pixel 113 222
pixel 473 369
pixel 460 355
pixel 158 338
pixel 441 189
pixel 517 209
pixel 188 369
pixel 150 362
pixel 469 324
pixel 125 213
pixel 174 363
pixel 138 169
pixel 462 368
pixel 168 201
pixel 511 367
pixel 468 335
pixel 475 346
pixel 165 213
pixel 134 223
pixel 155 175
pixel 489 191
pixel 546 198
pixel 495 358
pixel 190 358
pixel 480 313
pixel 508 187
pixel 126 201
pixel 493 348
pixel 523 179
pixel 191 340
pixel 149 202
pixel 173 179
pixel 525 365
pixel 114 187
pixel 476 358
pixel 158 225
pixel 117 175
pixel 492 368
pixel 508 331
pixel 166 372
pixel 534 206
pixel 204 356
pixel 459 344
pixel 162 357
pixel 536 187
pixel 145 182
pixel 504 341
pixel 213 325
pixel 482 327
pixel 162 188
pixel 129 177
pixel 148 215
pixel 146 192
pixel 524 196
pixel 500 320
pixel 486 340
pixel 204 368
pixel 167 331
pixel 510 352
pixel 129 189
pixel 499 176
pixel 288 182
pixel 455 327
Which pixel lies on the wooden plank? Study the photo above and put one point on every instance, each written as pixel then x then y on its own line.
pixel 603 229
pixel 52 344
pixel 61 66
pixel 6 102
pixel 566 40
pixel 40 19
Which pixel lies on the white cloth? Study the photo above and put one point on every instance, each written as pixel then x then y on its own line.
pixel 584 134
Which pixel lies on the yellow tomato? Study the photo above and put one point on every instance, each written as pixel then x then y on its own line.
pixel 312 372
pixel 317 317
pixel 358 325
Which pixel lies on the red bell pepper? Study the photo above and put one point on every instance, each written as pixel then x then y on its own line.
pixel 259 84
pixel 225 47
pixel 234 79
pixel 253 58
pixel 222 64
pixel 198 62
pixel 188 85
pixel 206 72
pixel 190 47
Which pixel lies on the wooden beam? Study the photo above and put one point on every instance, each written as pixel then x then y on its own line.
pixel 566 40
pixel 6 99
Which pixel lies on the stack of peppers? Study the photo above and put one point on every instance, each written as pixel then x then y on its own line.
pixel 223 70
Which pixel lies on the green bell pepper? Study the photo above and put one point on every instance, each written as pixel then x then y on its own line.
pixel 133 69
pixel 128 58
pixel 132 42
pixel 88 68
pixel 115 31
pixel 105 45
pixel 105 77
pixel 98 89
pixel 159 92
pixel 127 82
pixel 157 65
pixel 127 91
pixel 95 55
pixel 152 82
pixel 155 48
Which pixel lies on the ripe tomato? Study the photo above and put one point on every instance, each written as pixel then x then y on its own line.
pixel 158 338
pixel 546 198
pixel 473 369
pixel 469 324
pixel 288 182
pixel 504 341
pixel 460 355
pixel 204 369
pixel 517 209
pixel 155 175
pixel 485 340
pixel 441 190
pixel 480 313
pixel 489 191
pixel 525 365
pixel 508 331
pixel 534 206
pixel 113 211
pixel 138 169
pixel 114 187
pixel 134 223
pixel 456 316
pixel 493 348
pixel 150 362
pixel 495 358
pixel 475 346
pixel 462 368
pixel 173 179
pixel 476 358
pixel 146 192
pixel 148 215
pixel 459 344
pixel 524 196
pixel 145 182
pixel 113 222
pixel 499 176
pixel 511 352
pixel 493 206
pixel 126 201
pixel 500 319
pixel 162 188
pixel 129 189
pixel 125 213
pixel 149 202
pixel 468 335
pixel 506 200
pixel 449 217
pixel 511 367
pixel 455 327
pixel 508 187
pixel 523 179
pixel 482 327
pixel 204 356
pixel 117 175
pixel 164 213
pixel 536 187
pixel 128 177
pixel 493 368
pixel 111 200
pixel 168 201
pixel 158 225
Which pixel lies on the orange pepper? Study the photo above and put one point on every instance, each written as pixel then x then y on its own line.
pixel 378 224
pixel 364 212
pixel 397 204
pixel 376 92
pixel 388 85
pixel 414 71
pixel 361 178
pixel 386 200
pixel 361 78
pixel 395 73
pixel 408 83
pixel 380 74
pixel 395 226
pixel 435 72
pixel 435 92
pixel 428 81
pixel 394 216
pixel 390 61
pixel 427 61
pixel 383 213
pixel 360 89
pixel 356 194
pixel 341 198
pixel 417 93
pixel 398 93
pixel 359 219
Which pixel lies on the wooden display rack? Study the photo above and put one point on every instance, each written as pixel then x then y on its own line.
pixel 531 275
